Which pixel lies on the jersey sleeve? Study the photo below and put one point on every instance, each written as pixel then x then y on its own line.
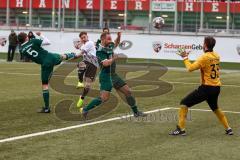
pixel 37 42
pixel 199 63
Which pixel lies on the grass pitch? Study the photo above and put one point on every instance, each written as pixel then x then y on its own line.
pixel 130 138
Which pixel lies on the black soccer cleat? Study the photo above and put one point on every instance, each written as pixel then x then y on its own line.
pixel 229 131
pixel 140 114
pixel 178 132
pixel 44 110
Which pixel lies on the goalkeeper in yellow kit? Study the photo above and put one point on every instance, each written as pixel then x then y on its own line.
pixel 208 91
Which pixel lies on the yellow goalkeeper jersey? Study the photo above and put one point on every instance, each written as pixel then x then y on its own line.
pixel 208 64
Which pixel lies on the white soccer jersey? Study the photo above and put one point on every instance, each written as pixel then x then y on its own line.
pixel 89 52
pixel 89 48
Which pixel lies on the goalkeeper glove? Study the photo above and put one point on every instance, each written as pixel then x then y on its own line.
pixel 183 53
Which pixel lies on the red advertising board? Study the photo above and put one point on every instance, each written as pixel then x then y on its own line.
pixel 138 5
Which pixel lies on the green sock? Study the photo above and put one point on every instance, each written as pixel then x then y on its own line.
pixel 69 55
pixel 46 98
pixel 95 102
pixel 131 102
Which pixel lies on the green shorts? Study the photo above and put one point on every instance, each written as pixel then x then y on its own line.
pixel 117 81
pixel 105 82
pixel 47 67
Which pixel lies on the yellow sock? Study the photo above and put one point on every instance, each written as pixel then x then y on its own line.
pixel 222 118
pixel 182 117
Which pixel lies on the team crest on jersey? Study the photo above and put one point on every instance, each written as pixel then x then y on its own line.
pixel 157 46
pixel 124 45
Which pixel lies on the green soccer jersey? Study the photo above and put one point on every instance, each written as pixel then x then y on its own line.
pixel 104 53
pixel 33 50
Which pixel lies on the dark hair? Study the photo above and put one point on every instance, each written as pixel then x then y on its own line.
pixel 103 35
pixel 82 33
pixel 210 42
pixel 31 36
pixel 22 37
pixel 105 28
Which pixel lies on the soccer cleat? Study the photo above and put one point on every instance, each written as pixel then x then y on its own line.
pixel 177 132
pixel 44 110
pixel 139 114
pixel 80 102
pixel 229 131
pixel 84 113
pixel 80 85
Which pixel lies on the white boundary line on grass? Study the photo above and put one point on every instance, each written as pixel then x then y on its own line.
pixel 73 127
pixel 208 110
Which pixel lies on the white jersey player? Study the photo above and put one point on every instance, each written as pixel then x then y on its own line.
pixel 87 68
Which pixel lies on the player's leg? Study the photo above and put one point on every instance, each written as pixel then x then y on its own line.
pixel 130 100
pixel 105 87
pixel 104 96
pixel 81 70
pixel 86 89
pixel 68 56
pixel 13 52
pixel 46 73
pixel 120 85
pixel 195 97
pixel 90 73
pixel 9 53
pixel 213 104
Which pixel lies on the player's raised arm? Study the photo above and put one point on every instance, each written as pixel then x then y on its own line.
pixel 118 39
pixel 45 40
pixel 190 66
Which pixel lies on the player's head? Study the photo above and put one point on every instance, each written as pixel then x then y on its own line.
pixel 106 38
pixel 209 43
pixel 106 30
pixel 83 36
pixel 22 37
pixel 30 35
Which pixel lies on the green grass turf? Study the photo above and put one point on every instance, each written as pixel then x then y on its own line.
pixel 125 139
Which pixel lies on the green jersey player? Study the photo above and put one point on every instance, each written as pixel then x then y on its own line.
pixel 34 51
pixel 108 78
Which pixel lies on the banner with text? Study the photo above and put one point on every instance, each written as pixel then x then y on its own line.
pixel 147 46
pixel 163 6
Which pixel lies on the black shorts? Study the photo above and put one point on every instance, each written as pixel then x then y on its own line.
pixel 117 81
pixel 203 93
pixel 90 70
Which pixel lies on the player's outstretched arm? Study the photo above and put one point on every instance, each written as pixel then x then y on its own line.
pixel 190 66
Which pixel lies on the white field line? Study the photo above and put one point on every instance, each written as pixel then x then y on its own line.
pixel 74 127
pixel 208 110
pixel 173 82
